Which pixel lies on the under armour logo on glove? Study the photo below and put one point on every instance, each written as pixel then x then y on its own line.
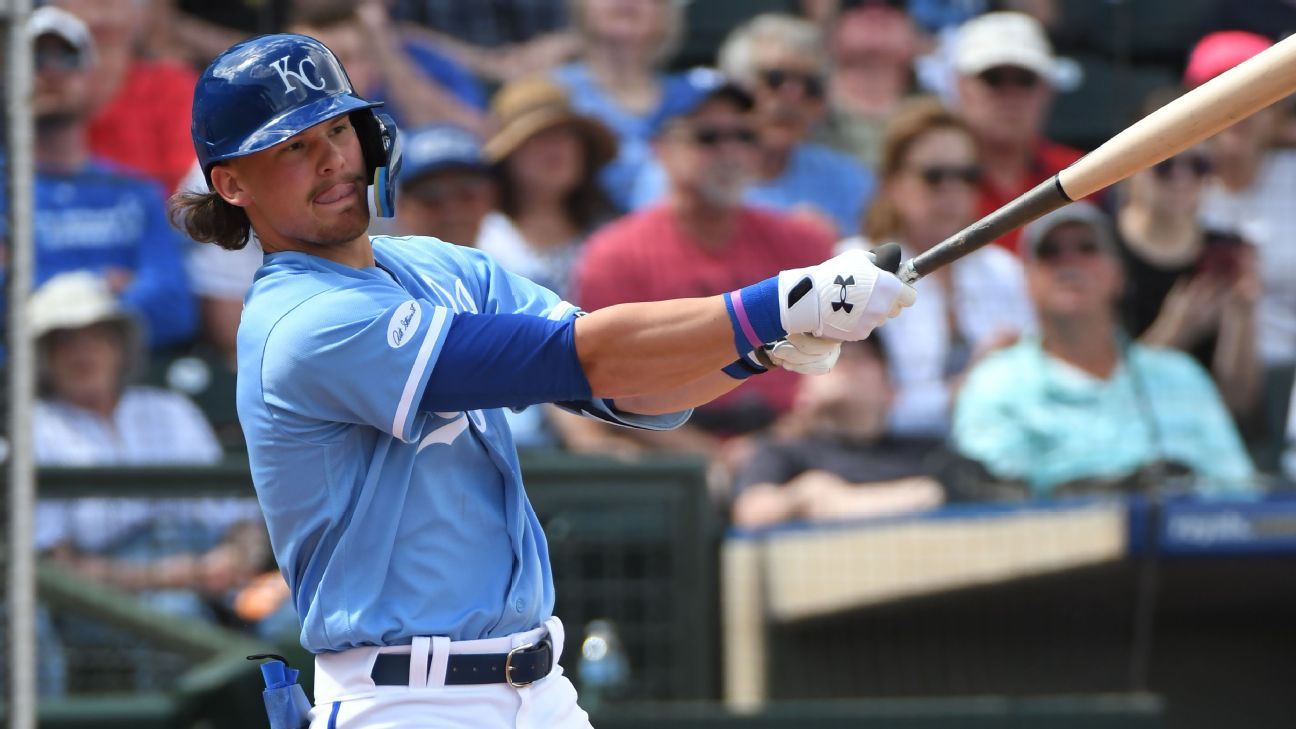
pixel 849 297
pixel 841 303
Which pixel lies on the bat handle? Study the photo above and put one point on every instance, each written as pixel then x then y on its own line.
pixel 908 273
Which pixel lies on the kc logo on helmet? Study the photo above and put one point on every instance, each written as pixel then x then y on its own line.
pixel 281 66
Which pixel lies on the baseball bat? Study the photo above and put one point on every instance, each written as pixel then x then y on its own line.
pixel 1224 100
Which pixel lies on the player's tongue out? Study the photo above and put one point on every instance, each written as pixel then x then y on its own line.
pixel 337 192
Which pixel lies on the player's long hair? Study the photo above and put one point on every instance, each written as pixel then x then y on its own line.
pixel 911 123
pixel 207 218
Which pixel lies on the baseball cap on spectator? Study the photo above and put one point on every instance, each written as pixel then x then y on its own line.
pixel 1011 39
pixel 526 107
pixel 1220 51
pixel 75 300
pixel 49 20
pixel 706 85
pixel 439 147
pixel 1078 212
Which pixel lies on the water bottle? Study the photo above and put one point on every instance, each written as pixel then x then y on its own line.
pixel 603 669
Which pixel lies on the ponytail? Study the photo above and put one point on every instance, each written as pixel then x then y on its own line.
pixel 207 218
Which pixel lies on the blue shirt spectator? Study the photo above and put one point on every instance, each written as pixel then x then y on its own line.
pixel 782 61
pixel 816 178
pixel 680 92
pixel 89 215
pixel 112 223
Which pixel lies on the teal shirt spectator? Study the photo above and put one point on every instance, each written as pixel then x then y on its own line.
pixel 1027 416
pixel 816 177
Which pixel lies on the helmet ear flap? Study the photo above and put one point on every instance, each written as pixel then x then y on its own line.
pixel 380 145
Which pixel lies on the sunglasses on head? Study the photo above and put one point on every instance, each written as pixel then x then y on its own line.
pixel 1198 165
pixel 934 175
pixel 716 136
pixel 811 83
pixel 1051 250
pixel 1002 77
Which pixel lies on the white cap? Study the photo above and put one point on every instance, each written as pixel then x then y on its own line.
pixel 1007 39
pixel 49 20
pixel 74 300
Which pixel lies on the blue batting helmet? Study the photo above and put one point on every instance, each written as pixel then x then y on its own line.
pixel 262 91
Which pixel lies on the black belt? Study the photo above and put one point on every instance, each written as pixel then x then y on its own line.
pixel 521 666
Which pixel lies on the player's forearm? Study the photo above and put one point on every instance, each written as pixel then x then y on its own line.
pixel 657 348
pixel 691 395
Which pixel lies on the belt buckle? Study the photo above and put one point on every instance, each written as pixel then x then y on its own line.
pixel 508 666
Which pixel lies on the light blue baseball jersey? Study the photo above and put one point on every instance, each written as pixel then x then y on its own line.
pixel 388 522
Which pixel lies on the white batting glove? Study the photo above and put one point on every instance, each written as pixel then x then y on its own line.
pixel 844 298
pixel 804 354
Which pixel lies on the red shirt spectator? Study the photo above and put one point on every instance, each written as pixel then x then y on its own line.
pixel 1049 158
pixel 647 256
pixel 1007 75
pixel 145 126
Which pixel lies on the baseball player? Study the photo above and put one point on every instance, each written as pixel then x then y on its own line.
pixel 372 373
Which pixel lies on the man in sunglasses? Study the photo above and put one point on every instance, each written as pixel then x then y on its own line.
pixel 90 214
pixel 702 239
pixel 781 61
pixel 1081 403
pixel 1006 77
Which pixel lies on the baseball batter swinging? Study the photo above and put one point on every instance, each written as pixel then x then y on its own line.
pixel 371 374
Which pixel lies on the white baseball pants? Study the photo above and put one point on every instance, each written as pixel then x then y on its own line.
pixel 346 697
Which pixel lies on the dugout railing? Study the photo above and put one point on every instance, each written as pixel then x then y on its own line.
pixel 636 543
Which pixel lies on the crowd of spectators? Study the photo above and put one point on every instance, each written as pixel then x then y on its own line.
pixel 1146 336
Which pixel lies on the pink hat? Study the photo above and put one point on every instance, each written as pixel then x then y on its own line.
pixel 1220 51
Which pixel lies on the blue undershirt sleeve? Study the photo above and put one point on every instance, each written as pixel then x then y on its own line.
pixel 505 360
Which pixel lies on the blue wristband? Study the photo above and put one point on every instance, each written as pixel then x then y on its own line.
pixel 754 315
pixel 744 367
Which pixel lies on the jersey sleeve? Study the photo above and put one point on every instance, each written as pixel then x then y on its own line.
pixel 360 356
pixel 503 293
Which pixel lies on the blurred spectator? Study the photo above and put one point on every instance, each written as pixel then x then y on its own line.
pixel 88 349
pixel 419 84
pixel 1081 403
pixel 1251 192
pixel 703 241
pixel 1189 287
pixel 833 458
pixel 139 108
pixel 498 39
pixel 1007 73
pixel 89 415
pixel 933 16
pixel 966 310
pixel 184 556
pixel 486 23
pixel 199 30
pixel 547 160
pixel 618 80
pixel 781 60
pixel 89 215
pixel 872 46
pixel 446 189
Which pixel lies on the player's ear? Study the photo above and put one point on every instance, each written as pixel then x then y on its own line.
pixel 226 183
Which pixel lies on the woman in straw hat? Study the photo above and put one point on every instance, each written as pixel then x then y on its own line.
pixel 546 158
